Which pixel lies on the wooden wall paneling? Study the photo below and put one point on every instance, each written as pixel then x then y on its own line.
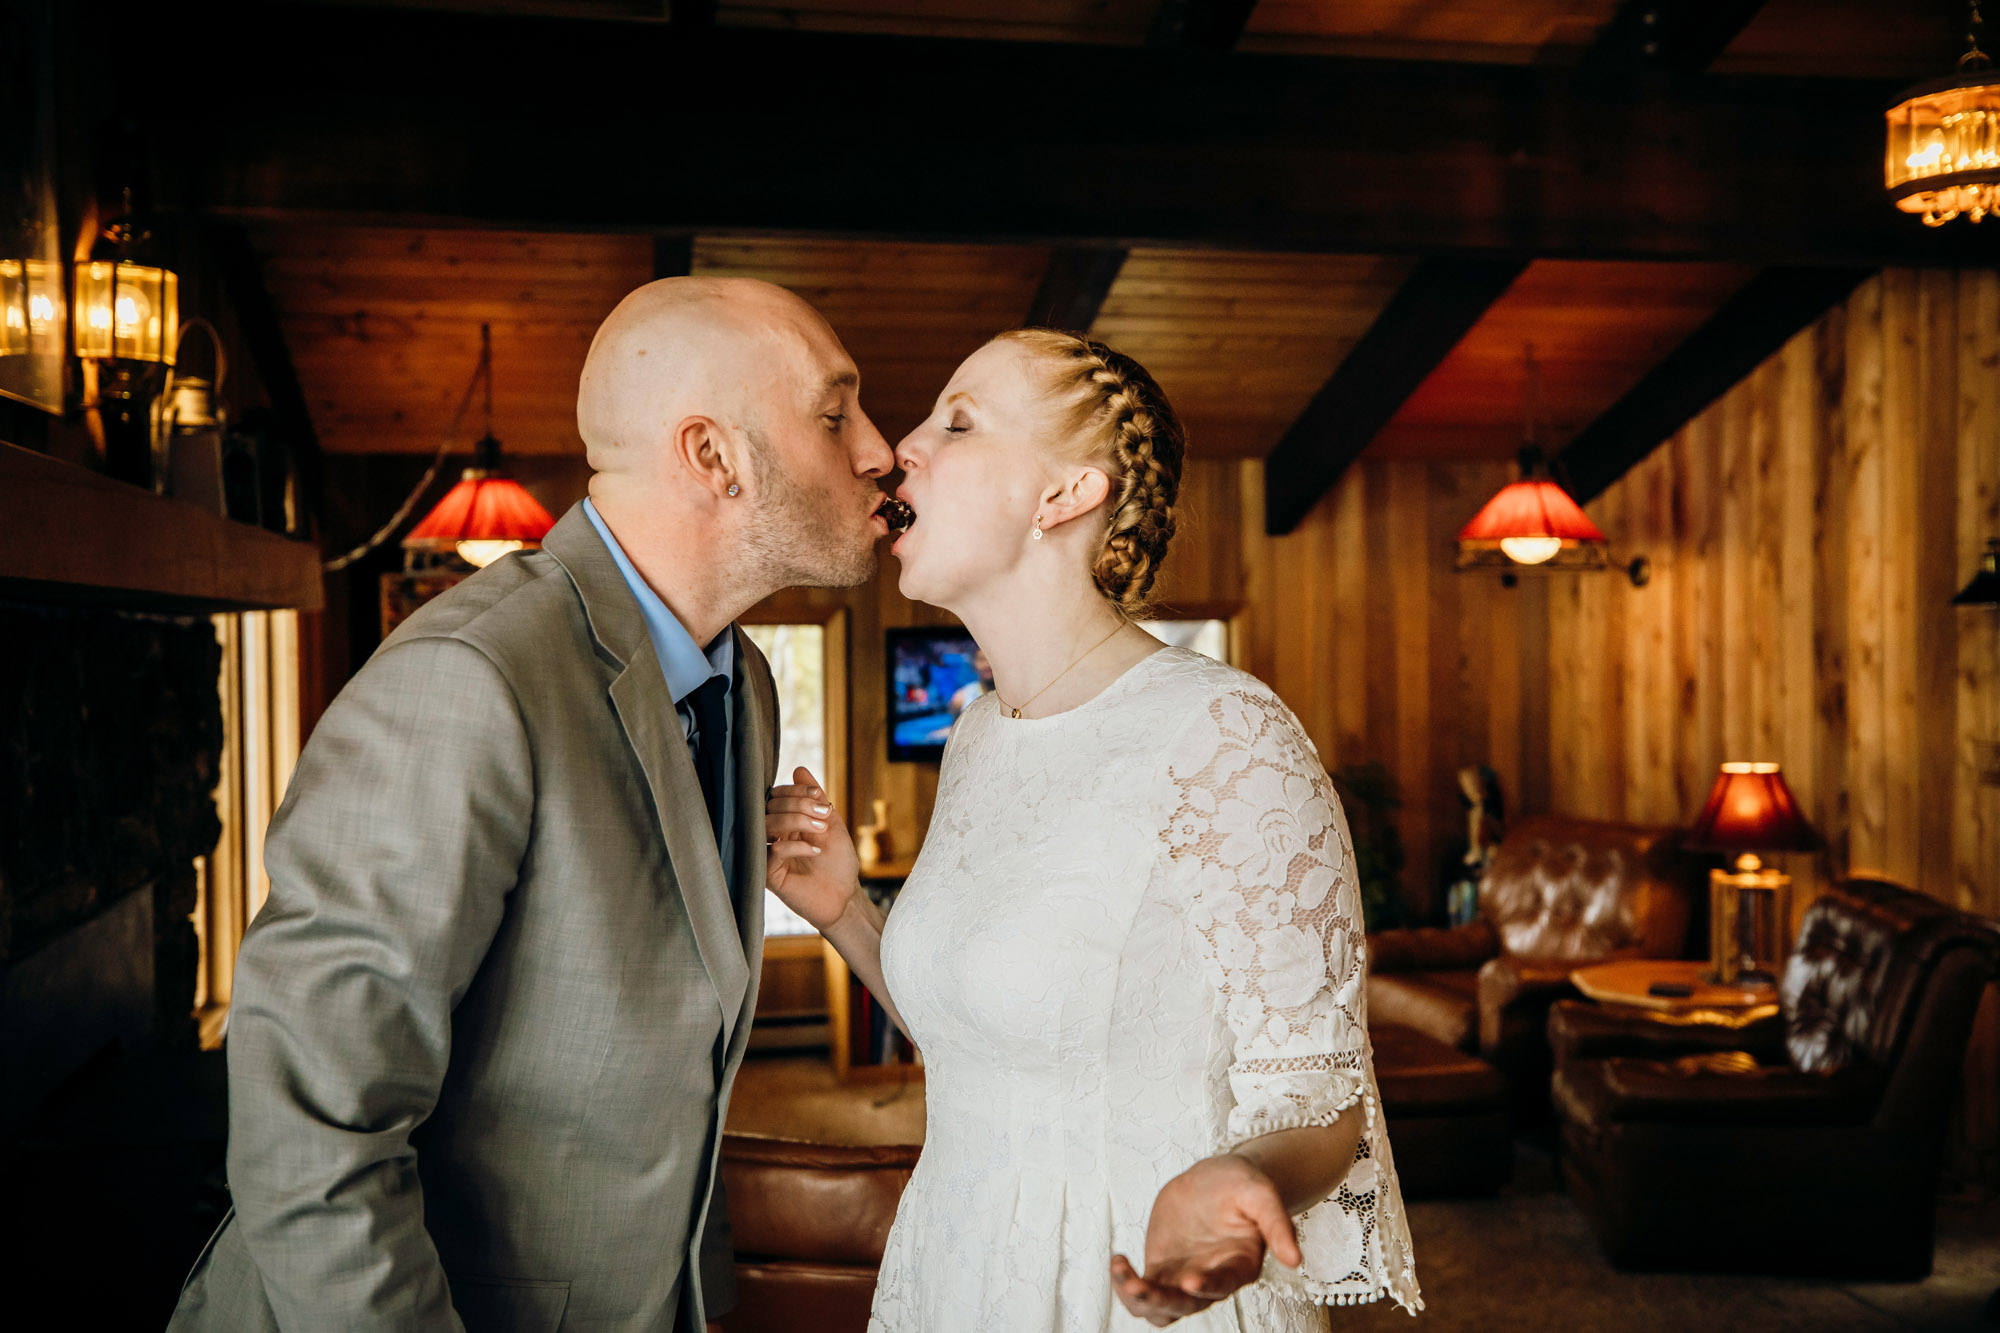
pixel 1532 608
pixel 1457 725
pixel 1649 665
pixel 1761 644
pixel 1738 530
pixel 1934 481
pixel 1409 575
pixel 1976 807
pixel 1867 733
pixel 1792 481
pixel 1832 534
pixel 1383 676
pixel 1902 381
pixel 1348 618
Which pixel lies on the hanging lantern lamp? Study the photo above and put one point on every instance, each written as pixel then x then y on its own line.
pixel 1943 156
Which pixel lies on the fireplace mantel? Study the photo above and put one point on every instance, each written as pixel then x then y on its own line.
pixel 71 533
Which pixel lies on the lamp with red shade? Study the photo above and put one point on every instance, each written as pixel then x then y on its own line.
pixel 1750 811
pixel 486 515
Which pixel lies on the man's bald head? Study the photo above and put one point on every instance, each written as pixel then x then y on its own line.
pixel 719 348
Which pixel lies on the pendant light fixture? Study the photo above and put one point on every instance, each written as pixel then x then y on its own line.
pixel 487 514
pixel 1531 523
pixel 1943 155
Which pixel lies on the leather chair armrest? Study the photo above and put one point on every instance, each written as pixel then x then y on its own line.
pixel 1724 1088
pixel 1583 1030
pixel 1430 949
pixel 1509 983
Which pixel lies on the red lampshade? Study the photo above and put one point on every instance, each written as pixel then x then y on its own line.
pixel 1751 809
pixel 1531 508
pixel 485 515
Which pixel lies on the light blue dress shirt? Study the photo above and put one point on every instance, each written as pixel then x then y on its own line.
pixel 686 666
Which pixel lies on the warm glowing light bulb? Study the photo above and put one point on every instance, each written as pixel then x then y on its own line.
pixel 484 553
pixel 1530 550
pixel 41 310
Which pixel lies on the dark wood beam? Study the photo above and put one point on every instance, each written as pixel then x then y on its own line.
pixel 1199 25
pixel 1074 287
pixel 235 261
pixel 574 125
pixel 1430 312
pixel 1678 35
pixel 1749 327
pixel 673 256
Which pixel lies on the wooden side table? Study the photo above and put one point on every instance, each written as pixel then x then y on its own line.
pixel 1629 982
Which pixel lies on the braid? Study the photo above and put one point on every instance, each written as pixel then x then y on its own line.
pixel 1119 413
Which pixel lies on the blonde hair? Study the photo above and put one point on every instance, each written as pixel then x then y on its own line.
pixel 1113 415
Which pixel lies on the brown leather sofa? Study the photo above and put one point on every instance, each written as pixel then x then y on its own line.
pixel 1446 1112
pixel 1807 1143
pixel 1559 893
pixel 809 1221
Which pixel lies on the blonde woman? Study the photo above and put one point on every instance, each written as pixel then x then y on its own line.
pixel 1131 949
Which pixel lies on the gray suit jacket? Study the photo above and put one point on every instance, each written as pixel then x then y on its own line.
pixel 484 1029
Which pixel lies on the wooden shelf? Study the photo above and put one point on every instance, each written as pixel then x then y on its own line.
pixel 79 536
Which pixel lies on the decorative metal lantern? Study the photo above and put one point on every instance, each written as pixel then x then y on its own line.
pixel 30 307
pixel 126 312
pixel 1943 156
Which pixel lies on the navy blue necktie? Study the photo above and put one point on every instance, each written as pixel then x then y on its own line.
pixel 711 735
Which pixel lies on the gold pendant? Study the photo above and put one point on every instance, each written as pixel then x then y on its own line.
pixel 1017 714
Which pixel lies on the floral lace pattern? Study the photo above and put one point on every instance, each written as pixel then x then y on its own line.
pixel 1131 941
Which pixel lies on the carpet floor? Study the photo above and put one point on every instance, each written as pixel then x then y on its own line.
pixel 1524 1260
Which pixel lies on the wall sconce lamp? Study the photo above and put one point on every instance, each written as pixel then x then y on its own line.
pixel 127 320
pixel 1750 810
pixel 31 307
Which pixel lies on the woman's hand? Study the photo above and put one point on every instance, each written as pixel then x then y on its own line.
pixel 813 867
pixel 1206 1238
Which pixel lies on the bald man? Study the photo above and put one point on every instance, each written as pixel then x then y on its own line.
pixel 484 1028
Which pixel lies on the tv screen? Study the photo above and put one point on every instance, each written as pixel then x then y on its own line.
pixel 933 675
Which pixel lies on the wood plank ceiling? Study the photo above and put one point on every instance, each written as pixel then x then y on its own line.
pixel 383 321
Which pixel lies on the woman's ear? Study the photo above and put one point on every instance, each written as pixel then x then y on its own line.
pixel 1083 493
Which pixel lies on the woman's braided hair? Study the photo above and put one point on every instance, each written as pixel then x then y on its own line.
pixel 1115 416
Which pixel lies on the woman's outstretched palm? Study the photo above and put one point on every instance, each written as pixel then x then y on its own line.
pixel 813 867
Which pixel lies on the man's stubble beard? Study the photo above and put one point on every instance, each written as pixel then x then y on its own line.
pixel 795 540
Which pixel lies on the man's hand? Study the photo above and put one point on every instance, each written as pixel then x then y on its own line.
pixel 1206 1238
pixel 813 867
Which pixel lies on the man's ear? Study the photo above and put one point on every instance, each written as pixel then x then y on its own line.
pixel 700 448
pixel 1083 493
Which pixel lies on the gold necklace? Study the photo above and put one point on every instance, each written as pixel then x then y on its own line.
pixel 1016 712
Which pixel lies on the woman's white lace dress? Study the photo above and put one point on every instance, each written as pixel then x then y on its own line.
pixel 1132 941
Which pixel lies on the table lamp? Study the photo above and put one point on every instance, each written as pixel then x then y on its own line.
pixel 1750 810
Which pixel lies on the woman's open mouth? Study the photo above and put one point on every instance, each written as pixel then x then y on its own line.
pixel 898 515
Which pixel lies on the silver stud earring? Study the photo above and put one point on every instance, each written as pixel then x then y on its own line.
pixel 734 489
pixel 1037 534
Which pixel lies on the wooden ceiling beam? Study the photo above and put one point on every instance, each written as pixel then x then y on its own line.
pixel 1435 307
pixel 1676 35
pixel 1199 25
pixel 1074 287
pixel 641 126
pixel 1749 327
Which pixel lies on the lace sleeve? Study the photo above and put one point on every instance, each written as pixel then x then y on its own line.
pixel 1278 915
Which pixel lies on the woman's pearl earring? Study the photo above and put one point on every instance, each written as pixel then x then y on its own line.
pixel 1037 534
pixel 733 490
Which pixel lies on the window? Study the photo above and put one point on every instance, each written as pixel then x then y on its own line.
pixel 1208 637
pixel 808 660
pixel 259 684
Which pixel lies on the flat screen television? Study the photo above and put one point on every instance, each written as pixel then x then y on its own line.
pixel 933 674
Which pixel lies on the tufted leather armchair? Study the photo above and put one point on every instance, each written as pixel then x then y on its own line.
pixel 1807 1143
pixel 809 1221
pixel 1559 893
